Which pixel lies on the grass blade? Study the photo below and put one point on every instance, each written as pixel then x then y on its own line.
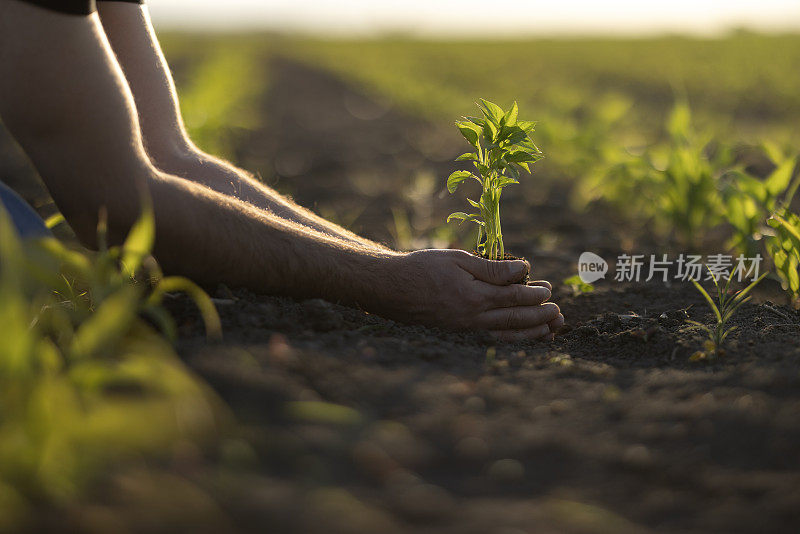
pixel 201 299
pixel 708 298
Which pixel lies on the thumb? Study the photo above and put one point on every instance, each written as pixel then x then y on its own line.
pixel 496 272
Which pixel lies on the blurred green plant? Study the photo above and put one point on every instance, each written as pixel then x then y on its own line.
pixel 503 148
pixel 85 379
pixel 577 285
pixel 758 211
pixel 749 200
pixel 784 248
pixel 726 305
pixel 590 95
pixel 674 184
pixel 220 96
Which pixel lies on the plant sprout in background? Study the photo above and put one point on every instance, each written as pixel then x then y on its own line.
pixel 503 148
pixel 577 285
pixel 672 183
pixel 85 380
pixel 750 200
pixel 784 248
pixel 727 304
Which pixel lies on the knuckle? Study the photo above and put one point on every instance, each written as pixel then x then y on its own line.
pixel 512 319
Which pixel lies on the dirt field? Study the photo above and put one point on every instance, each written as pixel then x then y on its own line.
pixel 347 422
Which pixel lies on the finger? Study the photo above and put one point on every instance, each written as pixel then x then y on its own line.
pixel 513 336
pixel 517 317
pixel 495 272
pixel 556 324
pixel 542 283
pixel 515 295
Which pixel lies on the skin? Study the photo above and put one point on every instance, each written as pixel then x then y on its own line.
pixel 92 102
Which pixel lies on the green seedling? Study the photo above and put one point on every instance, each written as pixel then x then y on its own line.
pixel 749 200
pixel 674 183
pixel 577 285
pixel 220 98
pixel 503 148
pixel 727 304
pixel 784 248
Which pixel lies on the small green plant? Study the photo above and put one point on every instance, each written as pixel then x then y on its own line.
pixel 220 99
pixel 503 148
pixel 784 248
pixel 749 201
pixel 577 285
pixel 674 183
pixel 727 304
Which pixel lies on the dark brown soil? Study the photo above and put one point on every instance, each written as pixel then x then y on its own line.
pixel 455 433
pixel 347 422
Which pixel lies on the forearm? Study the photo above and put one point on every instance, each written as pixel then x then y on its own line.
pixel 133 39
pixel 211 238
pixel 222 177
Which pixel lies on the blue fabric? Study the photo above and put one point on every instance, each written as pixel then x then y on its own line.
pixel 27 221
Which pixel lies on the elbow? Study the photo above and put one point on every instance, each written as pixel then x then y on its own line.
pixel 178 157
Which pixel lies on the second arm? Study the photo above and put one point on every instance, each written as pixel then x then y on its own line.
pixel 131 35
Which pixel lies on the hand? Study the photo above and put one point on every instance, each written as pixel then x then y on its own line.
pixel 456 290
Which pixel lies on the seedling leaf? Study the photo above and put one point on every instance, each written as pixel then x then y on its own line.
pixel 490 131
pixel 139 242
pixel 780 178
pixel 577 285
pixel 528 126
pixel 510 118
pixel 456 178
pixel 476 120
pixel 708 298
pixel 54 220
pixel 521 156
pixel 492 111
pixel 468 130
pixel 465 217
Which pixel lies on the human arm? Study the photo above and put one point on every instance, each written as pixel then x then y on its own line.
pixel 133 39
pixel 64 98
